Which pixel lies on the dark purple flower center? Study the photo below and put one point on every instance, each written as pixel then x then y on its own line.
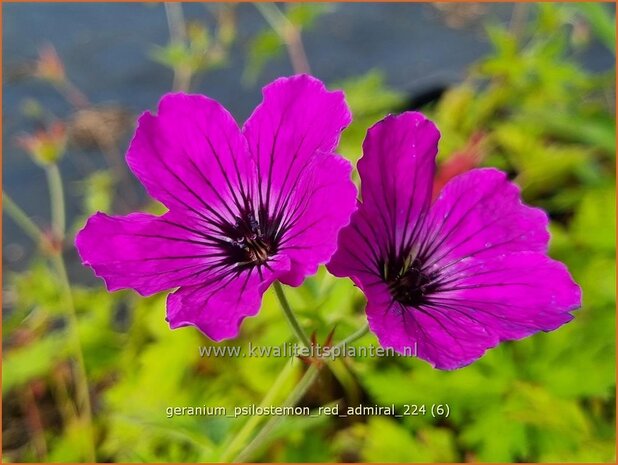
pixel 250 243
pixel 409 283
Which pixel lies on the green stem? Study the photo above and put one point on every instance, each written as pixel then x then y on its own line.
pixel 295 396
pixel 289 314
pixel 240 438
pixel 178 35
pixel 81 378
pixel 274 17
pixel 289 34
pixel 56 193
pixel 245 432
pixel 354 336
pixel 58 219
pixel 22 220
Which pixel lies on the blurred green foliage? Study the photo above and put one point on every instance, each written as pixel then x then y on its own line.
pixel 194 48
pixel 550 398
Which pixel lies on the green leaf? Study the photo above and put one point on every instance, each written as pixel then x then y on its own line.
pixel 304 15
pixel 594 225
pixel 495 436
pixel 369 98
pixel 264 47
pixel 369 94
pixel 24 364
pixel 389 441
pixel 98 193
pixel 598 131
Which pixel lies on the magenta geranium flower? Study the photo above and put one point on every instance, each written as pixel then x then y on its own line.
pixel 245 207
pixel 449 279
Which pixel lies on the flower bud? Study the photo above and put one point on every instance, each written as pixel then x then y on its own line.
pixel 49 67
pixel 46 146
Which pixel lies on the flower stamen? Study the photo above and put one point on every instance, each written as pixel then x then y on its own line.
pixel 249 245
pixel 411 284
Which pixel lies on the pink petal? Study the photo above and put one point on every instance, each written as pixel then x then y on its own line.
pixel 325 199
pixel 488 301
pixel 218 308
pixel 529 291
pixel 144 252
pixel 192 157
pixel 292 135
pixel 360 252
pixel 446 342
pixel 298 121
pixel 480 214
pixel 482 253
pixel 397 170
